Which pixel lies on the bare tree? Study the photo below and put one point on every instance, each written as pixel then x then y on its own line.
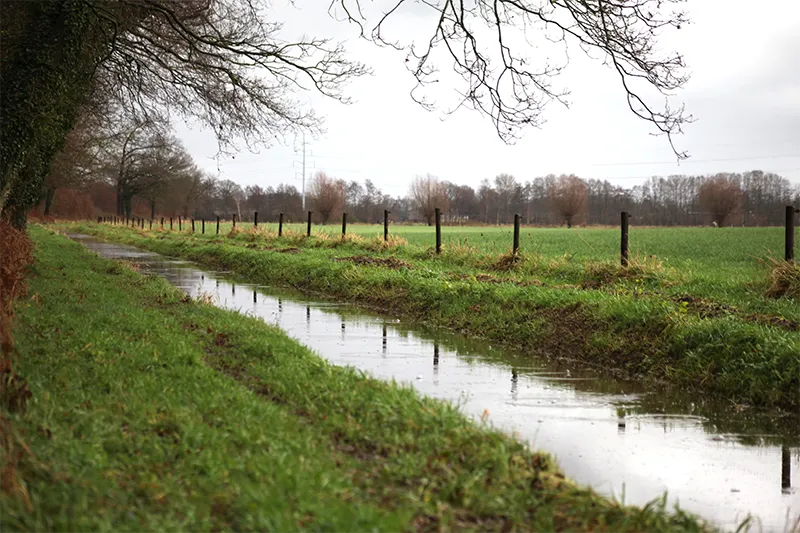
pixel 327 195
pixel 159 170
pixel 505 185
pixel 568 196
pixel 79 161
pixel 229 197
pixel 428 193
pixel 486 42
pixel 720 195
pixel 127 154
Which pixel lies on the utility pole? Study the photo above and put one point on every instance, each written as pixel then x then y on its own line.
pixel 304 171
pixel 303 177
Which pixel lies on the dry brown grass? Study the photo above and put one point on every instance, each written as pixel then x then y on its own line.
pixel 16 253
pixel 506 262
pixel 645 268
pixel 377 243
pixel 784 280
pixel 15 257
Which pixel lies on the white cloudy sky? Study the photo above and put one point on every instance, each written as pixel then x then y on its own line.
pixel 744 60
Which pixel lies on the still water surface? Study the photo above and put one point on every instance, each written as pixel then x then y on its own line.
pixel 615 436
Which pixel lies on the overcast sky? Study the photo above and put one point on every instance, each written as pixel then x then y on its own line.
pixel 744 93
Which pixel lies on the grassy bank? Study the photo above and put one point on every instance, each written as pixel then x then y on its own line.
pixel 626 322
pixel 153 411
pixel 728 265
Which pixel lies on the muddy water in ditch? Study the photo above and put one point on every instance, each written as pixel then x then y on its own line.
pixel 622 440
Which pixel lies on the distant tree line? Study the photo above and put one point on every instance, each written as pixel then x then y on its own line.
pixel 132 166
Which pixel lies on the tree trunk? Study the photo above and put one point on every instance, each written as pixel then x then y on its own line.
pixel 128 198
pixel 45 76
pixel 120 201
pixel 49 194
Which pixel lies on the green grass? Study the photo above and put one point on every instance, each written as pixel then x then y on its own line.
pixel 642 322
pixel 728 265
pixel 151 411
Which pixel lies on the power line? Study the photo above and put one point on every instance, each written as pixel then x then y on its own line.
pixel 716 160
pixel 621 164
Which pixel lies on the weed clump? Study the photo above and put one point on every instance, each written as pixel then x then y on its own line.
pixel 377 244
pixel 646 268
pixel 334 242
pixel 506 262
pixel 784 280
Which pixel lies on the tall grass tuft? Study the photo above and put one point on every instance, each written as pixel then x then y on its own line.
pixel 376 244
pixel 645 268
pixel 784 280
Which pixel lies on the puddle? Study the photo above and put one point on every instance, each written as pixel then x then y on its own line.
pixel 612 435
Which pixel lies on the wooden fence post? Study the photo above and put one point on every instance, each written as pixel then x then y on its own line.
pixel 789 245
pixel 162 222
pixel 344 224
pixel 623 245
pixel 192 225
pixel 280 224
pixel 217 224
pixel 233 218
pixel 255 219
pixel 308 231
pixel 438 230
pixel 203 226
pixel 515 247
pixel 180 223
pixel 170 223
pixel 151 224
pixel 385 225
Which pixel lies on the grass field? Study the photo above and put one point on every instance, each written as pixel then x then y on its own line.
pixel 700 326
pixel 152 411
pixel 721 246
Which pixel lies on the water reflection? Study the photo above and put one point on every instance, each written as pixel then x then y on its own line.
pixel 436 362
pixel 609 434
pixel 514 383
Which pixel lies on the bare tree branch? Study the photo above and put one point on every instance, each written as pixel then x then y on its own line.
pixel 482 40
pixel 220 62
